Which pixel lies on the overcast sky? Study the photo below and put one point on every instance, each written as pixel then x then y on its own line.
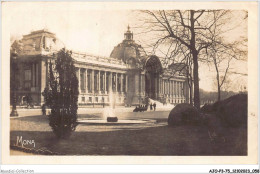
pixel 92 30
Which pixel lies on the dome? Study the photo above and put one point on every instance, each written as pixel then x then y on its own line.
pixel 128 50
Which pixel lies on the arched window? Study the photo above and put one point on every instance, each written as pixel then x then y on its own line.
pixel 153 64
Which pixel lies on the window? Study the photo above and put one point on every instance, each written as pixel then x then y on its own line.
pixel 90 99
pixel 89 83
pixel 27 75
pixel 114 83
pixel 97 99
pixel 95 81
pixel 118 82
pixel 124 83
pixel 82 80
pixel 102 81
pixel 83 99
pixel 27 79
pixel 107 82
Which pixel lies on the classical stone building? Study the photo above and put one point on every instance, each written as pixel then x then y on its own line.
pixel 128 72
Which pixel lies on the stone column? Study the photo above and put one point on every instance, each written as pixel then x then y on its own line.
pixel 79 80
pixel 179 89
pixel 166 81
pixel 162 86
pixel 33 74
pixel 168 87
pixel 105 81
pixel 93 81
pixel 126 82
pixel 122 83
pixel 37 74
pixel 86 80
pixel 182 89
pixel 43 79
pixel 116 83
pixel 171 88
pixel 174 85
pixel 111 81
pixel 98 82
pixel 169 92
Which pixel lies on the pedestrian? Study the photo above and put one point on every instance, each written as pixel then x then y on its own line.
pixel 43 109
pixel 154 106
pixel 151 107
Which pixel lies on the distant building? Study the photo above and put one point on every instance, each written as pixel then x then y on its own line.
pixel 128 72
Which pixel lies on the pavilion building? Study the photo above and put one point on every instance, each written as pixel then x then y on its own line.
pixel 128 72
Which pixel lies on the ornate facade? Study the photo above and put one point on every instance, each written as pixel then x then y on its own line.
pixel 128 72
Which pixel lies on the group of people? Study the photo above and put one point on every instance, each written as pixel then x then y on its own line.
pixel 141 108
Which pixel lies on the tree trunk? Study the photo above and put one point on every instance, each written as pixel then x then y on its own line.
pixel 218 84
pixel 196 81
pixel 218 80
pixel 219 93
pixel 191 96
pixel 195 62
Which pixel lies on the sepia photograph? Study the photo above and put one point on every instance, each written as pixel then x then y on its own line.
pixel 98 80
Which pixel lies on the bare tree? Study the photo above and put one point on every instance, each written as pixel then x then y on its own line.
pixel 188 32
pixel 221 52
pixel 221 83
pixel 221 60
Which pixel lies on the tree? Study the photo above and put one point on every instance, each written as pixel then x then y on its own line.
pixel 187 31
pixel 61 95
pixel 221 52
pixel 221 83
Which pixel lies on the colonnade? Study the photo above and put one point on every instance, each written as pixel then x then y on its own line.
pixel 101 82
pixel 174 91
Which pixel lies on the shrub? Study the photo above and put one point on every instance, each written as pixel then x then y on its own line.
pixel 183 114
pixel 231 111
pixel 61 95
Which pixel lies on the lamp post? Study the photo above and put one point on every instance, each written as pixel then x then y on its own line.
pixel 14 112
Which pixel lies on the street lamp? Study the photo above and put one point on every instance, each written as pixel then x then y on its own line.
pixel 14 112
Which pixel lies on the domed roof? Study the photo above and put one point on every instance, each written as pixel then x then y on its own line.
pixel 128 49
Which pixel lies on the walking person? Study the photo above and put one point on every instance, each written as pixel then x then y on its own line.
pixel 154 106
pixel 43 109
pixel 151 106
